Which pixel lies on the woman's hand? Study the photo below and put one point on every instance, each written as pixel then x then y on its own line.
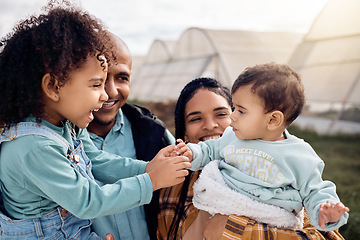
pixel 215 227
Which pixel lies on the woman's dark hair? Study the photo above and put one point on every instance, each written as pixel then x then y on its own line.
pixel 57 42
pixel 185 96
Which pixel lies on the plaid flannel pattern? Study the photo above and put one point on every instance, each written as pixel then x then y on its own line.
pixel 237 227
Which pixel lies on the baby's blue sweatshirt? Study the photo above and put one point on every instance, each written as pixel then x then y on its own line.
pixel 286 173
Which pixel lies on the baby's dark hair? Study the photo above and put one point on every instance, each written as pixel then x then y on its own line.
pixel 188 92
pixel 57 42
pixel 279 86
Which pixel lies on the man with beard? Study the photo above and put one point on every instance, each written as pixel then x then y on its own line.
pixel 129 131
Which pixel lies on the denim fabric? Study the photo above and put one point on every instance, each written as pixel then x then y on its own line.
pixel 59 224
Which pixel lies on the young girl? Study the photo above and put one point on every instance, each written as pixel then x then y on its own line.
pixel 52 75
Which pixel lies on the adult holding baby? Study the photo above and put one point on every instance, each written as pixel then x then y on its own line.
pixel 203 112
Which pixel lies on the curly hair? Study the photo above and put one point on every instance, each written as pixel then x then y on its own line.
pixel 57 42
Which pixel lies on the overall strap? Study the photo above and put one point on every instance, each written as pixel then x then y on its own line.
pixel 30 128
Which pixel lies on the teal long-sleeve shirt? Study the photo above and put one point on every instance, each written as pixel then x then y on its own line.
pixel 37 177
pixel 285 173
pixel 131 224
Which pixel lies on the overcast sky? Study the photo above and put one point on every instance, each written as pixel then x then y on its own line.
pixel 140 22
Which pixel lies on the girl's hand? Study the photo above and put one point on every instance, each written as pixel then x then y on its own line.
pixel 166 170
pixel 163 153
pixel 170 172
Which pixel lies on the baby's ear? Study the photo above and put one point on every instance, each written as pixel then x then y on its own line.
pixel 50 87
pixel 276 119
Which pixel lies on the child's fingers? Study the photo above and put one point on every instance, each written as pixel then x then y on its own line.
pixel 188 165
pixel 183 173
pixel 330 213
pixel 169 148
pixel 167 151
pixel 183 150
pixel 341 208
pixel 180 160
pixel 322 219
pixel 188 154
pixel 170 171
pixel 329 203
pixel 182 163
pixel 180 143
pixel 180 146
pixel 322 226
pixel 324 206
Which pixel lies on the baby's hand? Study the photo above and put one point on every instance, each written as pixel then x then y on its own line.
pixel 331 213
pixel 182 149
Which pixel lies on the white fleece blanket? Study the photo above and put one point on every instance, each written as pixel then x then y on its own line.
pixel 212 194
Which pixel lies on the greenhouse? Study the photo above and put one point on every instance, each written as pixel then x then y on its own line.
pixel 221 54
pixel 327 57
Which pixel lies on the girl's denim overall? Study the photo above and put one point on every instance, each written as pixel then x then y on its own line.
pixel 59 224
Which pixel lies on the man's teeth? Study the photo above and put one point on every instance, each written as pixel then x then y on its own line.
pixel 94 110
pixel 106 104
